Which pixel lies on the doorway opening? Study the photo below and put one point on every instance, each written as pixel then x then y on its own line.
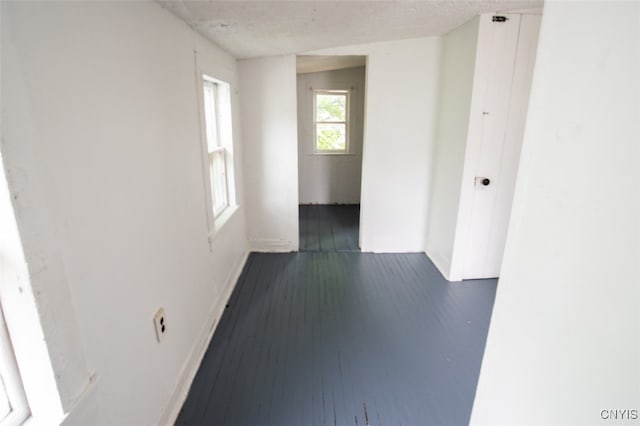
pixel 331 99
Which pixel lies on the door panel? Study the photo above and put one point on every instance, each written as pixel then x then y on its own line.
pixel 506 97
pixel 494 117
pixel 518 106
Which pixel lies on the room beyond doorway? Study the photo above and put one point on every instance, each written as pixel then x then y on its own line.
pixel 329 228
pixel 331 99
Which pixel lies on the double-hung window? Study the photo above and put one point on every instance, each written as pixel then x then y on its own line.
pixel 217 125
pixel 331 121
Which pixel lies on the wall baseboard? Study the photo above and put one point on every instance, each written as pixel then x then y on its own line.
pixel 268 246
pixel 442 263
pixel 316 202
pixel 191 366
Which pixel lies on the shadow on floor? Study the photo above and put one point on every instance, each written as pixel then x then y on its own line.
pixel 332 227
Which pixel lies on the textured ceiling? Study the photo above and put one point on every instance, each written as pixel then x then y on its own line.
pixel 264 28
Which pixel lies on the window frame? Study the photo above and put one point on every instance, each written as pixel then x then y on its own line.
pixel 19 410
pixel 346 122
pixel 225 143
pixel 218 151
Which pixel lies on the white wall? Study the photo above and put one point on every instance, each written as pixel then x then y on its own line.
pixel 564 340
pixel 399 132
pixel 330 179
pixel 268 100
pixel 101 146
pixel 456 86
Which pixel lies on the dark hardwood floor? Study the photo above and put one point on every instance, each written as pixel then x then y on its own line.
pixel 329 227
pixel 322 338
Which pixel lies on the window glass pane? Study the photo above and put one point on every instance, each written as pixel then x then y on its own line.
pixel 218 181
pixel 223 103
pixel 210 115
pixel 331 137
pixel 331 107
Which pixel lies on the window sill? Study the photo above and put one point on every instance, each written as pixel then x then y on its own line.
pixel 220 221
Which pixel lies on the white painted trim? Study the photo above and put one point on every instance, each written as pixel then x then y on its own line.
pixel 13 388
pixel 32 350
pixel 441 262
pixel 272 245
pixel 192 364
pixel 204 73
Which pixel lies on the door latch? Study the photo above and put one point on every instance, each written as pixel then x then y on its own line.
pixel 482 181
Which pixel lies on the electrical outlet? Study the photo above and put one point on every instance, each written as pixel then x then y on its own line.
pixel 160 322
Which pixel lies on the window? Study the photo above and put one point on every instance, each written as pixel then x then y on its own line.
pixel 14 286
pixel 217 114
pixel 331 121
pixel 13 403
pixel 217 151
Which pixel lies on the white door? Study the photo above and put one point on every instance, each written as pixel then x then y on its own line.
pixel 506 98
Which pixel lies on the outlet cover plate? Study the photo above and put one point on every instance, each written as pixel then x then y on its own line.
pixel 160 323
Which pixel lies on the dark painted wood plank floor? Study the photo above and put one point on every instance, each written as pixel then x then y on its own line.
pixel 325 227
pixel 343 339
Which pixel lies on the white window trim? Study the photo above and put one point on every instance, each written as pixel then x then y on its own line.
pixel 219 150
pixel 346 150
pixel 11 379
pixel 39 352
pixel 215 221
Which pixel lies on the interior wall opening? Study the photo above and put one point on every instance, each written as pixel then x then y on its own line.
pixel 331 99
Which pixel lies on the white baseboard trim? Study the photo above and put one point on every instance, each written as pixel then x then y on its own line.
pixel 442 263
pixel 190 367
pixel 269 246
